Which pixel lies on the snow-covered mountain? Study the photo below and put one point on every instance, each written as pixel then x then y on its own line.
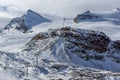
pixel 65 53
pixel 26 22
pixel 88 16
pixel 53 52
pixel 111 16
pixel 114 13
pixel 78 46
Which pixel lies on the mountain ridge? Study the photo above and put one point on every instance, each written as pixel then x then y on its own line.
pixel 112 16
pixel 73 45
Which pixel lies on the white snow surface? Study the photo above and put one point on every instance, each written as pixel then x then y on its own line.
pixel 13 41
pixel 4 75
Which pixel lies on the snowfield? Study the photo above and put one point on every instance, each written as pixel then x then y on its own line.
pixel 10 38
pixel 19 59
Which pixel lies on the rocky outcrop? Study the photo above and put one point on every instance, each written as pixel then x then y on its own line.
pixel 87 39
pixel 77 46
pixel 116 45
pixel 17 23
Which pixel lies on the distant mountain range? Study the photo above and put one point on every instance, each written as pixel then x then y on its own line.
pixel 113 16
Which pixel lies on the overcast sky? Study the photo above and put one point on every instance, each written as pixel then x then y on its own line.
pixel 14 8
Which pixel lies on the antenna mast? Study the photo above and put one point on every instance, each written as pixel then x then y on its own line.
pixel 64 22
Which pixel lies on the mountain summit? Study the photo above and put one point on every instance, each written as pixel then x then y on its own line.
pixel 88 16
pixel 27 21
pixel 77 46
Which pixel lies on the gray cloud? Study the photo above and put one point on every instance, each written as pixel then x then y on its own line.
pixel 65 8
pixel 70 7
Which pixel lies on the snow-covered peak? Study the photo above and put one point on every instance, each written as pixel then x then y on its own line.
pixel 27 21
pixel 88 16
pixel 29 10
pixel 87 12
pixel 113 16
pixel 116 10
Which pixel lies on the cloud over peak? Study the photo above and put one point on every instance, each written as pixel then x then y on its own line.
pixel 61 7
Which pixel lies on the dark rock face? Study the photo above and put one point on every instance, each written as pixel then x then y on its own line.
pixel 17 23
pixel 116 44
pixel 40 36
pixel 78 46
pixel 99 41
pixel 88 16
pixel 87 39
pixel 84 16
pixel 87 75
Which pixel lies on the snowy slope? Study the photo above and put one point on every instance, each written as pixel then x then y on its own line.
pixel 65 53
pixel 4 75
pixel 75 46
pixel 88 16
pixel 14 66
pixel 26 22
pixel 59 58
pixel 32 18
pixel 8 41
pixel 112 16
